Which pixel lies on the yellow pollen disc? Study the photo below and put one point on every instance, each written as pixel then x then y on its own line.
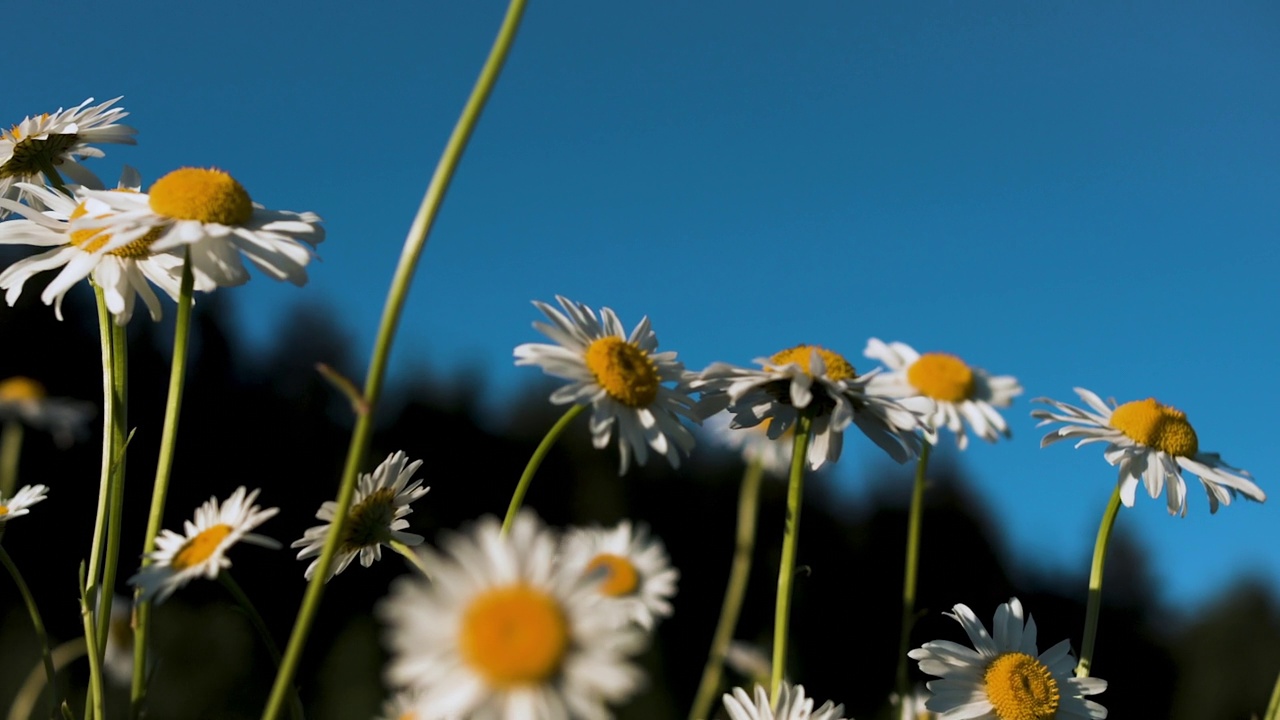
pixel 411 715
pixel 200 548
pixel 942 377
pixel 837 367
pixel 4 510
pixel 18 388
pixel 207 195
pixel 1156 426
pixel 514 635
pixel 1020 687
pixel 92 241
pixel 625 371
pixel 619 576
pixel 369 522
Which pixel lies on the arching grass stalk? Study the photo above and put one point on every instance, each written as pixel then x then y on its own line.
pixel 160 490
pixel 414 558
pixel 911 571
pixel 36 622
pixel 535 461
pixel 10 455
pixel 1273 707
pixel 25 699
pixel 396 295
pixel 264 634
pixel 1095 584
pixel 739 573
pixel 790 538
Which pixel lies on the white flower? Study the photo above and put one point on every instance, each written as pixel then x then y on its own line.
pixel 117 661
pixel 21 502
pixel 962 393
pixel 1005 677
pixel 792 705
pixel 404 705
pixel 812 379
pixel 500 634
pixel 915 705
pixel 1150 442
pixel 25 400
pixel 376 518
pixel 200 551
pixel 620 376
pixel 754 443
pixel 624 566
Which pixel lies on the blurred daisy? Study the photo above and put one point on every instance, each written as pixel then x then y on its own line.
pixel 376 518
pixel 754 443
pixel 820 382
pixel 792 705
pixel 25 400
pixel 620 376
pixel 499 634
pixel 404 705
pixel 21 502
pixel 1152 443
pixel 963 394
pixel 209 214
pixel 914 708
pixel 118 658
pixel 200 551
pixel 749 661
pixel 58 141
pixel 625 566
pixel 1005 677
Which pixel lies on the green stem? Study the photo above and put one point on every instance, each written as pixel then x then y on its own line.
pixel 526 478
pixel 396 295
pixel 739 573
pixel 94 700
pixel 52 177
pixel 790 539
pixel 911 571
pixel 10 454
pixel 260 626
pixel 1273 707
pixel 413 557
pixel 25 701
pixel 36 622
pixel 160 490
pixel 1095 584
pixel 120 393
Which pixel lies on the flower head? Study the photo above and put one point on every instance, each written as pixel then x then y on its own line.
pixel 962 393
pixel 754 443
pixel 622 377
pixel 21 502
pixel 791 705
pixel 1005 677
pixel 1152 443
pixel 24 399
pixel 626 567
pixel 376 518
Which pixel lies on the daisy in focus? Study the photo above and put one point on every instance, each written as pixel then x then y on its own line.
pixel 622 377
pixel 25 400
pixel 201 550
pixel 1151 443
pixel 376 518
pixel 21 502
pixel 812 379
pixel 792 705
pixel 1005 677
pixel 625 566
pixel 500 634
pixel 963 394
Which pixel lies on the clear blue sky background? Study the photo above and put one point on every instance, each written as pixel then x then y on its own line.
pixel 1075 193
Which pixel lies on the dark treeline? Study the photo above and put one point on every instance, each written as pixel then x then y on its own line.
pixel 271 422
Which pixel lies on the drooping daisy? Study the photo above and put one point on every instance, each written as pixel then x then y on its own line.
pixel 963 394
pixel 754 443
pixel 792 705
pixel 500 634
pixel 815 380
pixel 209 214
pixel 1149 442
pixel 1005 677
pixel 201 550
pixel 21 502
pixel 58 141
pixel 25 400
pixel 376 518
pixel 626 567
pixel 621 376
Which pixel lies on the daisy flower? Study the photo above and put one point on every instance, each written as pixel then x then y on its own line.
pixel 1152 443
pixel 118 657
pixel 754 443
pixel 812 379
pixel 963 394
pixel 500 634
pixel 1005 677
pixel 25 400
pixel 21 502
pixel 792 705
pixel 404 705
pixel 621 376
pixel 201 550
pixel 210 215
pixel 626 567
pixel 376 518
pixel 914 707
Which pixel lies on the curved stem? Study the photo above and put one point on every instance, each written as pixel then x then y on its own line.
pixel 911 571
pixel 36 622
pixel 413 557
pixel 531 468
pixel 739 573
pixel 1095 584
pixel 25 701
pixel 260 626
pixel 94 699
pixel 1273 707
pixel 10 455
pixel 790 539
pixel 396 295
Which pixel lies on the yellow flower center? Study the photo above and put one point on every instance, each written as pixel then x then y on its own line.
pixel 618 575
pixel 203 194
pixel 1020 687
pixel 200 548
pixel 93 239
pixel 411 715
pixel 942 377
pixel 19 389
pixel 4 510
pixel 1156 426
pixel 514 635
pixel 369 522
pixel 837 367
pixel 31 156
pixel 625 371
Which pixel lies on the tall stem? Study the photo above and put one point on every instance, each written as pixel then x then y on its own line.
pixel 1095 584
pixel 363 433
pixel 535 461
pixel 36 622
pixel 739 573
pixel 911 570
pixel 10 455
pixel 787 569
pixel 120 393
pixel 95 698
pixel 1273 707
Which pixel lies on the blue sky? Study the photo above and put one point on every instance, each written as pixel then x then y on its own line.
pixel 1072 193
